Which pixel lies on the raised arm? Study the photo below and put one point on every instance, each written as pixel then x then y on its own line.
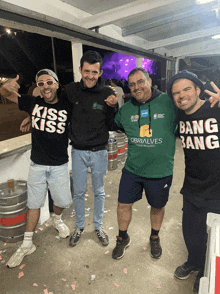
pixel 214 97
pixel 9 90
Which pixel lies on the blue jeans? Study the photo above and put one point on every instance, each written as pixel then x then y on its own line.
pixel 98 162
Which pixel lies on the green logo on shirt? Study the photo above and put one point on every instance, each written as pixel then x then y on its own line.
pixel 97 106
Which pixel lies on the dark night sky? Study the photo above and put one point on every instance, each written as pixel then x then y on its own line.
pixel 26 53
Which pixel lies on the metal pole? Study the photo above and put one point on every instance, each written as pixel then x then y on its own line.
pixel 54 57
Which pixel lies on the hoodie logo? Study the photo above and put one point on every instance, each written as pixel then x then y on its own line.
pixel 97 106
pixel 144 113
pixel 134 118
pixel 145 131
pixel 158 116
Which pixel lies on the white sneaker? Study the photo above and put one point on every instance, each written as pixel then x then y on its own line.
pixel 18 256
pixel 63 230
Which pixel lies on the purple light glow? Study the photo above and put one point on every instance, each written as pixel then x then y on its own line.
pixel 151 66
pixel 118 65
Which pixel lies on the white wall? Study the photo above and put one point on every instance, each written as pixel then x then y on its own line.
pixel 15 167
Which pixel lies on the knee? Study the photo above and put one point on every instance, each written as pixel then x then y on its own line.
pixel 99 192
pixel 157 210
pixel 124 206
pixel 79 193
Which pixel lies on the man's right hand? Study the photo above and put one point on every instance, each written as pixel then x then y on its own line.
pixel 10 89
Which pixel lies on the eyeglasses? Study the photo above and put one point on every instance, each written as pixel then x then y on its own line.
pixel 139 83
pixel 48 82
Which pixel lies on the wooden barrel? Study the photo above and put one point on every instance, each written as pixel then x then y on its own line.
pixel 112 154
pixel 13 212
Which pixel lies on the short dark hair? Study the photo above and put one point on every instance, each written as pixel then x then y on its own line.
pixel 139 69
pixel 114 81
pixel 91 57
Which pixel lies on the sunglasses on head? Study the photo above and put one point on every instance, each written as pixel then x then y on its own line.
pixel 48 82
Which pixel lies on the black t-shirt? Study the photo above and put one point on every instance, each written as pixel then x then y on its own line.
pixel 49 129
pixel 200 135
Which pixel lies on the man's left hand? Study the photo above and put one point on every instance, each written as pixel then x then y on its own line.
pixel 112 100
pixel 215 97
pixel 25 125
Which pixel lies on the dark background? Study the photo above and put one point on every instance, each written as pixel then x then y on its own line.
pixel 26 53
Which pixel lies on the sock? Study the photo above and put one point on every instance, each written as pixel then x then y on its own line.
pixel 57 218
pixel 27 242
pixel 154 232
pixel 123 234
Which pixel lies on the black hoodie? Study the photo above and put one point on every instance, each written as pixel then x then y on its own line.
pixel 91 117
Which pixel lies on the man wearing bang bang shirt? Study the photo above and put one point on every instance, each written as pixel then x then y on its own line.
pixel 199 131
pixel 49 158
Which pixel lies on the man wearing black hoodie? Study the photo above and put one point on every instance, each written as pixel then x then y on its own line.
pixel 93 110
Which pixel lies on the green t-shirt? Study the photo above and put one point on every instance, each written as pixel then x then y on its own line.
pixel 150 129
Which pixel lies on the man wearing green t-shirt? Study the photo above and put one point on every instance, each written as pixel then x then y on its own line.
pixel 149 121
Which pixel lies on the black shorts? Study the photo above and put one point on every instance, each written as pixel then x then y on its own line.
pixel 156 189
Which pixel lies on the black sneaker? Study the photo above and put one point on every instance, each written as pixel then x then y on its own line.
pixel 183 271
pixel 156 249
pixel 119 250
pixel 75 237
pixel 102 236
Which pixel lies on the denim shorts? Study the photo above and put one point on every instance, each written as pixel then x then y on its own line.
pixel 42 177
pixel 156 189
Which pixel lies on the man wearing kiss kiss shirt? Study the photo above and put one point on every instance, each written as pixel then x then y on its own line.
pixel 49 158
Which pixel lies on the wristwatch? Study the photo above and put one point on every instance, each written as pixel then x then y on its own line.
pixel 4 80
